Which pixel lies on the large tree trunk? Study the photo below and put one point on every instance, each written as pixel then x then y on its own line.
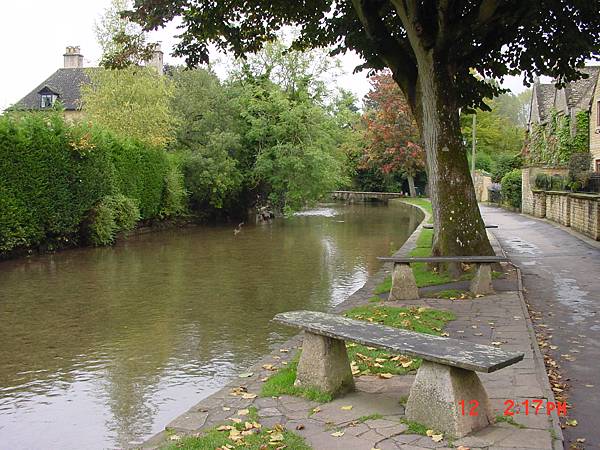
pixel 459 229
pixel 411 185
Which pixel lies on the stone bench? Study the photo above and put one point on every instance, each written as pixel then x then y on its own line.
pixel 429 226
pixel 404 286
pixel 445 378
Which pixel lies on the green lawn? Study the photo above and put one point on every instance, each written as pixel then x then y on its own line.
pixel 369 360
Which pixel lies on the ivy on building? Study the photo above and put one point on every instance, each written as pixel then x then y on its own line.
pixel 553 143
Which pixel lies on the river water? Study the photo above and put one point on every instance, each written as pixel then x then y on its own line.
pixel 101 348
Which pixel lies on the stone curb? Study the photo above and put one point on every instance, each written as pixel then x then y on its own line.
pixel 542 376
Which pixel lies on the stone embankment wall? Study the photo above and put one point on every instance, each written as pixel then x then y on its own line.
pixel 581 212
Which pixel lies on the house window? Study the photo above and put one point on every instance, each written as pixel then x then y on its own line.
pixel 47 100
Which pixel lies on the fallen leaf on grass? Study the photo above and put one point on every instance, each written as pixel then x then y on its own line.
pixel 174 437
pixel 276 437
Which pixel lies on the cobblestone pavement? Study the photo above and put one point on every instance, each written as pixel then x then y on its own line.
pixel 500 318
pixel 560 275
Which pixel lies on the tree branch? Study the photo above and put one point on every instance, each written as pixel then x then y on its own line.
pixel 393 53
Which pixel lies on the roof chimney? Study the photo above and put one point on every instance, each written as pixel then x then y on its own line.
pixel 157 59
pixel 73 58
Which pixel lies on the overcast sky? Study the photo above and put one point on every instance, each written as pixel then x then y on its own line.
pixel 34 34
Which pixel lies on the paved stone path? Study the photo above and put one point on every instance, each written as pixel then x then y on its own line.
pixel 562 285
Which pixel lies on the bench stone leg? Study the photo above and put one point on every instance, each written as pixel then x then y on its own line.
pixel 404 286
pixel 324 365
pixel 482 281
pixel 435 395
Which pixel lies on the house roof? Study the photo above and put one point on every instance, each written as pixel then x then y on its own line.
pixel 580 92
pixel 64 82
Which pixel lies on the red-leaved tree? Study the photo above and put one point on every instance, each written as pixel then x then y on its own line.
pixel 391 133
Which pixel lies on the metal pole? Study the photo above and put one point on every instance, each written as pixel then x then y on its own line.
pixel 473 145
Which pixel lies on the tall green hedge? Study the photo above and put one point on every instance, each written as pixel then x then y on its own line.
pixel 53 174
pixel 511 188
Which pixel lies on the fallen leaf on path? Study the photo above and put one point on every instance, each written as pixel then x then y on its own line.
pixel 580 440
pixel 385 376
pixel 243 412
pixel 462 447
pixel 346 408
pixel 571 423
pixel 338 434
pixel 249 396
pixel 245 375
pixel 437 437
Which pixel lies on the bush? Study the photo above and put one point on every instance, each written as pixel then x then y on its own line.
pixel 483 161
pixel 503 165
pixel 511 188
pixel 579 170
pixel 174 199
pixel 54 176
pixel 100 227
pixel 542 181
pixel 112 214
pixel 557 183
pixel 125 211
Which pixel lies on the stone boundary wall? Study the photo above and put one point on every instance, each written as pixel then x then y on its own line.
pixel 538 205
pixel 581 212
pixel 528 177
pixel 558 207
pixel 585 214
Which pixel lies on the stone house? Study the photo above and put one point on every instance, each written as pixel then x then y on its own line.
pixel 64 85
pixel 574 97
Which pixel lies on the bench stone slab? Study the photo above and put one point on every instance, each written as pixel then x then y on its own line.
pixel 447 351
pixel 429 226
pixel 443 259
pixel 435 397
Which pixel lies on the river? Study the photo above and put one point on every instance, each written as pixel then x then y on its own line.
pixel 102 347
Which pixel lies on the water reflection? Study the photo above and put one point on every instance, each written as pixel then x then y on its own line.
pixel 102 347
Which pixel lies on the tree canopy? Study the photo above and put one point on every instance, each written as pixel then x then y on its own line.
pixel 391 134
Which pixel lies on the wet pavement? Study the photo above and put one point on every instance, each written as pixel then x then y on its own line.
pixel 562 286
